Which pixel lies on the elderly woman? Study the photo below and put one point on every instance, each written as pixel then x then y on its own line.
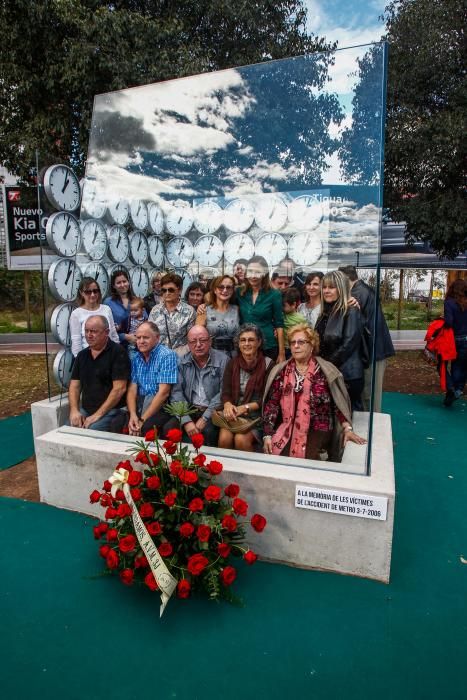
pixel 173 316
pixel 242 390
pixel 89 304
pixel 306 404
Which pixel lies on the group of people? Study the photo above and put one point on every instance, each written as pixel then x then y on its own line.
pixel 258 361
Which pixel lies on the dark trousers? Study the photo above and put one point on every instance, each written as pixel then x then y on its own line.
pixel 210 432
pixel 355 388
pixel 157 420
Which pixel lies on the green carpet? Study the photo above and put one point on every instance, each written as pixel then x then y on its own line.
pixel 16 440
pixel 301 634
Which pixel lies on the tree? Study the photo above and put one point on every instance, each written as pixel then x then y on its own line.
pixel 426 121
pixel 58 54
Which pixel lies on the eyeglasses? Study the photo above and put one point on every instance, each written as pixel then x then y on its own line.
pixel 300 343
pixel 168 290
pixel 91 291
pixel 199 341
pixel 225 287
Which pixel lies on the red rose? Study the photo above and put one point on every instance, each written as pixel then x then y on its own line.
pixel 229 523
pixel 170 499
pixel 150 581
pixel 165 549
pixel 127 576
pixel 150 435
pixel 127 543
pixel 223 549
pixel 136 494
pixel 142 458
pixel 183 588
pixel 174 435
pixel 146 510
pixel 176 467
pixel 154 458
pixel 95 496
pixel 197 440
pixel 103 527
pixel 153 482
pixel 186 529
pixel 214 467
pixel 112 535
pixel 196 504
pixel 232 490
pixel 170 447
pixel 203 533
pixel 123 510
pixel 125 465
pixel 141 562
pixel 188 477
pixel 135 478
pixel 112 559
pixel 212 493
pixel 119 495
pixel 196 564
pixel 107 486
pixel 97 532
pixel 250 557
pixel 154 528
pixel 106 500
pixel 110 514
pixel 104 549
pixel 228 575
pixel 199 460
pixel 258 522
pixel 240 506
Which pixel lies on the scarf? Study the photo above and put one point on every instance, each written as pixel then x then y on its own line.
pixel 255 384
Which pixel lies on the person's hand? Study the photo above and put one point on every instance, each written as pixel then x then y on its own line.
pixel 130 338
pixel 230 411
pixel 353 302
pixel 76 419
pixel 134 425
pixel 350 436
pixel 267 445
pixel 190 428
pixel 280 358
pixel 90 420
pixel 201 310
pixel 201 424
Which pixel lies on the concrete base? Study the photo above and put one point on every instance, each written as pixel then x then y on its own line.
pixel 72 462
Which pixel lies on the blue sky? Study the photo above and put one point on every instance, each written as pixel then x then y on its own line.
pixel 349 22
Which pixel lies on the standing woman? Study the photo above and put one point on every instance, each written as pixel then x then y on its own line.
pixel 261 305
pixel 311 307
pixel 90 304
pixel 220 317
pixel 340 330
pixel 455 317
pixel 173 316
pixel 121 296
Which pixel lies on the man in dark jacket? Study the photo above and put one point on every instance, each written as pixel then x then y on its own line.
pixel 366 297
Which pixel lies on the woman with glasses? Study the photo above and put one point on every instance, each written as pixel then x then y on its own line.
pixel 89 300
pixel 306 409
pixel 173 316
pixel 220 317
pixel 242 391
pixel 119 302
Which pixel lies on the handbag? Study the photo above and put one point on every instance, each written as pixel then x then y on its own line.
pixel 239 425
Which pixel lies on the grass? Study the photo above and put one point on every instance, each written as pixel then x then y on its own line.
pixel 15 321
pixel 413 316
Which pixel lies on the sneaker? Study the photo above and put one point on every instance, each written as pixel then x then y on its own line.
pixel 449 398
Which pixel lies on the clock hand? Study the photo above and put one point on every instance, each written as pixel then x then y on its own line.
pixel 241 245
pixel 119 239
pixel 66 182
pixel 273 210
pixel 180 218
pixel 140 275
pixel 95 235
pixel 139 207
pixel 211 243
pixel 67 230
pixel 274 240
pixel 70 266
pixel 140 241
pixel 118 204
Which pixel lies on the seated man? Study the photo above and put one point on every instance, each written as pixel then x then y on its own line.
pixel 153 372
pixel 200 373
pixel 100 375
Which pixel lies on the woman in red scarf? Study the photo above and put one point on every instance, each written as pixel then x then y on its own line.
pixel 243 387
pixel 307 405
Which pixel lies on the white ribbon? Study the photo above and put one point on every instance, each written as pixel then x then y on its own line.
pixel 166 582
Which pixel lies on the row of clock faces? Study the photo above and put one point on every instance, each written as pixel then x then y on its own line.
pixel 66 236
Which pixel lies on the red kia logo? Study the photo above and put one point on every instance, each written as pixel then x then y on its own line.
pixel 14 196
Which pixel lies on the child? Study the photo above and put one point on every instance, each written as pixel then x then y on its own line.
pixel 290 301
pixel 138 315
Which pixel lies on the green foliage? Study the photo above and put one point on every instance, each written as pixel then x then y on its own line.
pixel 414 314
pixel 58 54
pixel 12 286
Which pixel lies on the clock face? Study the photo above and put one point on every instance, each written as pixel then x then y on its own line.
pixel 139 281
pixel 305 212
pixel 238 246
pixel 59 323
pixel 239 215
pixel 63 364
pixel 155 218
pixel 139 214
pixel 272 246
pixel 209 217
pixel 271 213
pixel 119 245
pixel 209 250
pixel 138 247
pixel 64 279
pixel 98 272
pixel 179 220
pixel 179 252
pixel 94 239
pixel 61 187
pixel 156 251
pixel 305 248
pixel 93 200
pixel 63 234
pixel 187 279
pixel 119 211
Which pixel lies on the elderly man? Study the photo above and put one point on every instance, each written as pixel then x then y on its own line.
pixel 200 373
pixel 153 373
pixel 100 375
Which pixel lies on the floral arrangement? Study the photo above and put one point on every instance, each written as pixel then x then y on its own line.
pixel 168 525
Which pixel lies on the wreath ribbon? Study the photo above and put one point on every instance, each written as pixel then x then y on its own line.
pixel 164 579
